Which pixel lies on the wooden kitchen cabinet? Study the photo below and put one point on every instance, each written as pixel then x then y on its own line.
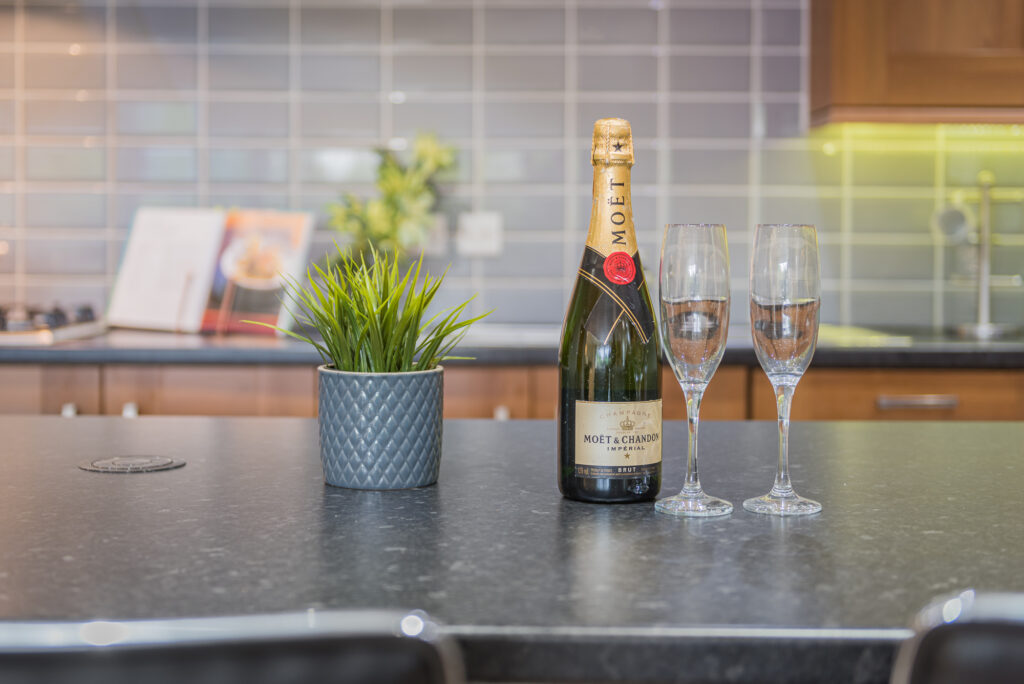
pixel 487 391
pixel 47 388
pixel 890 394
pixel 917 60
pixel 726 397
pixel 210 390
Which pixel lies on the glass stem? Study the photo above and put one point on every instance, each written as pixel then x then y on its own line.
pixel 783 399
pixel 693 398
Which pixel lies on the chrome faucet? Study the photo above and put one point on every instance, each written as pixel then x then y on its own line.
pixel 985 329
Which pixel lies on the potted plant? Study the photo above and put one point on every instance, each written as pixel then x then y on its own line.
pixel 381 385
pixel 399 218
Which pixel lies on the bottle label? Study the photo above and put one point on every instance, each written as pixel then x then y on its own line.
pixel 619 268
pixel 618 439
pixel 621 284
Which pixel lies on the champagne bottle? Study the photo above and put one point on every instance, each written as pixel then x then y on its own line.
pixel 609 412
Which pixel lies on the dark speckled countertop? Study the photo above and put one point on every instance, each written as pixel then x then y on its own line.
pixel 508 344
pixel 535 587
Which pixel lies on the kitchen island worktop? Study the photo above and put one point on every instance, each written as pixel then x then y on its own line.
pixel 534 587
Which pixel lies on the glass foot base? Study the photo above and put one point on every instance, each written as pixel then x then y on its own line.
pixel 791 504
pixel 698 505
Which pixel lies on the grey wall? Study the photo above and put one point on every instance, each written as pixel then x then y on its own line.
pixel 107 106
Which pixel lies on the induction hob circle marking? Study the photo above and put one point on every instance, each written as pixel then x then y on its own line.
pixel 131 464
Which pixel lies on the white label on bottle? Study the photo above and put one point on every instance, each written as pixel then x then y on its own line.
pixel 617 439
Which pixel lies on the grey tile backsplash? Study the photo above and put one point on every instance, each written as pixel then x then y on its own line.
pixel 106 106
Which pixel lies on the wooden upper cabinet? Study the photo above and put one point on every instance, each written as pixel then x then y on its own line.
pixel 917 60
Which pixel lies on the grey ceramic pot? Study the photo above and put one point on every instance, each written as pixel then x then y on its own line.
pixel 380 430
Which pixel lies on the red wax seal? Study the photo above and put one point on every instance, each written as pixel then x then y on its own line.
pixel 619 268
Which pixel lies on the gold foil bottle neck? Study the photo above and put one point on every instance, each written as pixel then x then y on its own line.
pixel 613 142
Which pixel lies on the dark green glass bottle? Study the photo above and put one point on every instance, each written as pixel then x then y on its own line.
pixel 609 362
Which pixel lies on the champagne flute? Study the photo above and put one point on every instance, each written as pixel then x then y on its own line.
pixel 694 294
pixel 785 296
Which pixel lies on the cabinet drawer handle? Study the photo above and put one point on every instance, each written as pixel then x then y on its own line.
pixel 939 402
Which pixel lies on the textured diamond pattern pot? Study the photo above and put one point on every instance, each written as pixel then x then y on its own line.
pixel 380 430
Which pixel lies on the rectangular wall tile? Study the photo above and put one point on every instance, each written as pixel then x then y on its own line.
pixel 339 25
pixel 962 168
pixel 536 306
pixel 7 116
pixel 524 72
pixel 891 262
pixel 248 72
pixel 1008 217
pixel 729 211
pixel 248 25
pixel 692 26
pixel 524 26
pixel 781 74
pixel 156 164
pixel 432 26
pixel 127 203
pixel 529 212
pixel 7 24
pixel 156 118
pixel 525 260
pixel 249 119
pixel 162 71
pixel 65 210
pixel 339 165
pixel 710 167
pixel 160 24
pixel 446 119
pixel 65 71
pixel 346 73
pixel 59 257
pixel 781 27
pixel 710 74
pixel 710 120
pixel 325 120
pixel 6 71
pixel 894 168
pixel 524 119
pixel 800 167
pixel 6 210
pixel 903 309
pixel 8 252
pixel 635 25
pixel 522 165
pixel 824 213
pixel 781 120
pixel 71 23
pixel 617 73
pixel 65 163
pixel 423 73
pixel 892 215
pixel 237 165
pixel 65 117
pixel 7 163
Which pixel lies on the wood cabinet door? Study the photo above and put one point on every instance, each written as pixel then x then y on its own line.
pixel 487 392
pixel 890 394
pixel 725 399
pixel 46 388
pixel 210 390
pixel 905 54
